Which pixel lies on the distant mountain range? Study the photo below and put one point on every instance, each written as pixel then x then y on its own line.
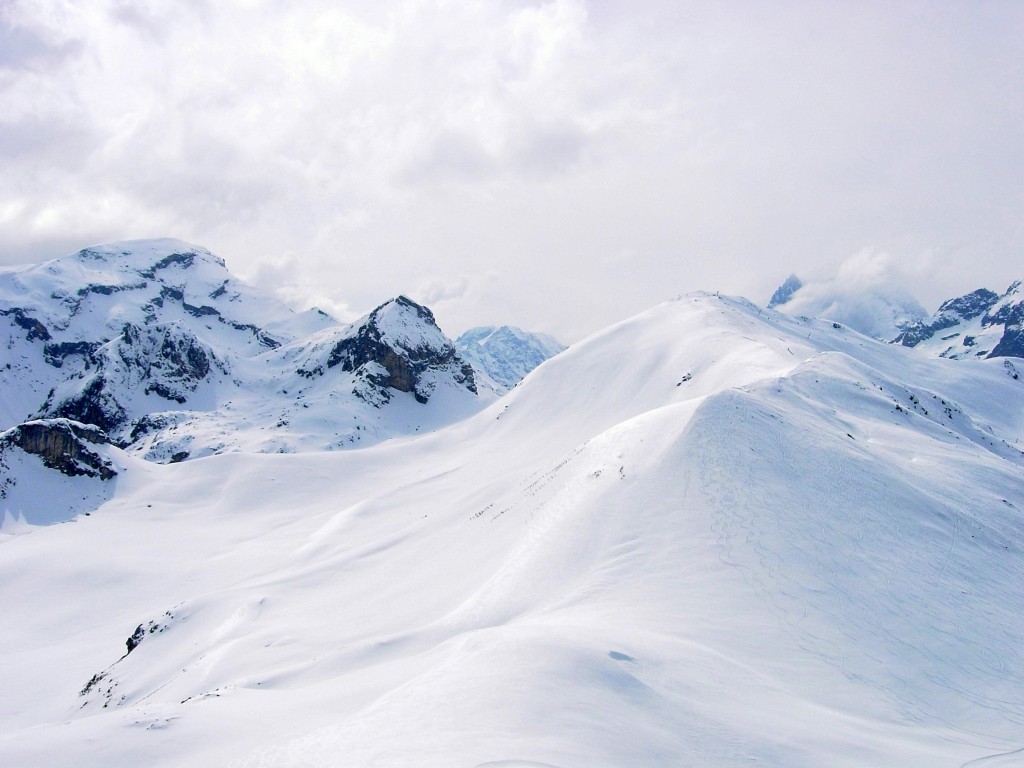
pixel 978 324
pixel 157 344
pixel 502 356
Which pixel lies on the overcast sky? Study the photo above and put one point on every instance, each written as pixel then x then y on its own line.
pixel 555 165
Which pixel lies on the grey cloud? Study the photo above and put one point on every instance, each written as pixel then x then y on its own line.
pixel 550 150
pixel 531 151
pixel 23 48
pixel 870 293
pixel 62 143
pixel 450 156
pixel 156 22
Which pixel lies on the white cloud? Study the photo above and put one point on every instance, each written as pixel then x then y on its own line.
pixel 869 293
pixel 388 144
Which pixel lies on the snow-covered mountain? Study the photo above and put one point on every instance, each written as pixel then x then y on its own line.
pixel 978 324
pixel 155 343
pixel 981 323
pixel 709 535
pixel 502 356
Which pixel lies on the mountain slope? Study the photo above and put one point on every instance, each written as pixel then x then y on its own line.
pixel 708 535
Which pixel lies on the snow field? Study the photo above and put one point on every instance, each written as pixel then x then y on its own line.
pixel 703 537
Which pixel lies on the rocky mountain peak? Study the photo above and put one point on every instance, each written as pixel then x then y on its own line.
pixel 399 346
pixel 970 305
pixel 981 323
pixel 785 291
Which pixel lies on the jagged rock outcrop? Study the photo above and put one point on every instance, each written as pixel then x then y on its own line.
pixel 785 291
pixel 34 328
pixel 396 346
pixel 92 403
pixel 168 361
pixel 981 323
pixel 63 445
pixel 950 313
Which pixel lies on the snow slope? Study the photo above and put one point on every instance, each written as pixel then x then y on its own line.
pixel 710 535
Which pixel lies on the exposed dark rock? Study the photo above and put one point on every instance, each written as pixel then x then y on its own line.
pixel 63 445
pixel 1011 345
pixel 970 305
pixel 184 358
pixel 199 311
pixel 93 404
pixel 164 391
pixel 141 631
pixel 173 293
pixel 178 364
pixel 785 291
pixel 163 360
pixel 184 259
pixel 1008 314
pixel 950 314
pixel 55 354
pixel 172 370
pixel 402 367
pixel 137 637
pixel 91 255
pixel 93 683
pixel 262 336
pixel 36 330
pixel 148 423
pixel 143 426
pixel 107 290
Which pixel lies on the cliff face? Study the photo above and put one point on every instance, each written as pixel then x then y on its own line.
pixel 62 445
pixel 396 346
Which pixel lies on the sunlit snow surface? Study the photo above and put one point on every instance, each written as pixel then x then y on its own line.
pixel 708 536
